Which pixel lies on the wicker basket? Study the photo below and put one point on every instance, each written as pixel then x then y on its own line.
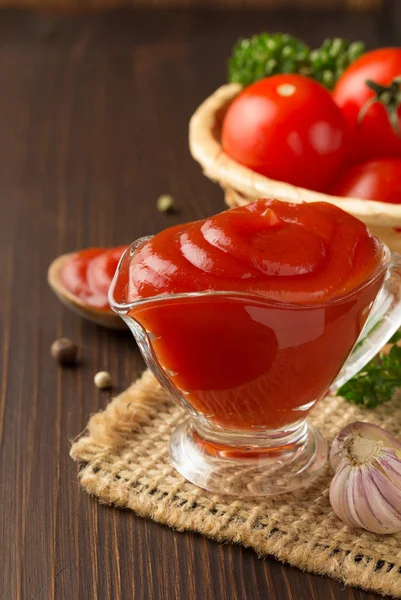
pixel 242 185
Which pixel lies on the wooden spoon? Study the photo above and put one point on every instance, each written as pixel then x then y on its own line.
pixel 105 318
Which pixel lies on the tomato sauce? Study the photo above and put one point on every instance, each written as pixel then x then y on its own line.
pixel 89 273
pixel 262 356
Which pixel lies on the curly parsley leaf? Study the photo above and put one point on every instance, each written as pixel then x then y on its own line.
pixel 268 54
pixel 378 381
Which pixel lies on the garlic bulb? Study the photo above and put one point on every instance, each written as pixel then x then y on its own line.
pixel 366 488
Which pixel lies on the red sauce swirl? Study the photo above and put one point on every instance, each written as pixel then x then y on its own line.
pixel 292 253
pixel 89 273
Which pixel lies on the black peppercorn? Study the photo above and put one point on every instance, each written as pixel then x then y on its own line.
pixel 64 351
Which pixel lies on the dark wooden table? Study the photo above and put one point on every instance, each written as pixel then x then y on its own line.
pixel 93 128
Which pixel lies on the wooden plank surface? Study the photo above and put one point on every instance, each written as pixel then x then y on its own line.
pixel 93 127
pixel 95 5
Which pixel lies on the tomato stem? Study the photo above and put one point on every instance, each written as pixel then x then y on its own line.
pixel 390 97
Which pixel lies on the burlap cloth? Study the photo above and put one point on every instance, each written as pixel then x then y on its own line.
pixel 125 459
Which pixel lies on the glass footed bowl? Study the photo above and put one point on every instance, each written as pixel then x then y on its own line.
pixel 248 370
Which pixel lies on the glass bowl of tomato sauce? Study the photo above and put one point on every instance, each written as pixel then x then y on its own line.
pixel 248 363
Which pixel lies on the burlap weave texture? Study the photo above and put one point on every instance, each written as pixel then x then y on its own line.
pixel 125 462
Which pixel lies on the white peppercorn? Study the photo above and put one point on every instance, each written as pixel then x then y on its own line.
pixel 165 203
pixel 102 380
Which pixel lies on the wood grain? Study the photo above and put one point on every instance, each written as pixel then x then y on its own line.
pixel 94 115
pixel 95 5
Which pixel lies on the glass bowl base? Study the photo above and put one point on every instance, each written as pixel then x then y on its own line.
pixel 250 471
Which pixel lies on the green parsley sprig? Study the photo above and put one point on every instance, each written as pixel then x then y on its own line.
pixel 267 54
pixel 273 53
pixel 329 62
pixel 378 381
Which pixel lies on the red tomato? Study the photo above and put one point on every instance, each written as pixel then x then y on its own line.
pixel 375 135
pixel 373 180
pixel 288 128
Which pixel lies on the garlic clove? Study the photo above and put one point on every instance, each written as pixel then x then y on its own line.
pixel 373 502
pixel 366 488
pixel 338 494
pixel 386 500
pixel 391 464
pixel 357 485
